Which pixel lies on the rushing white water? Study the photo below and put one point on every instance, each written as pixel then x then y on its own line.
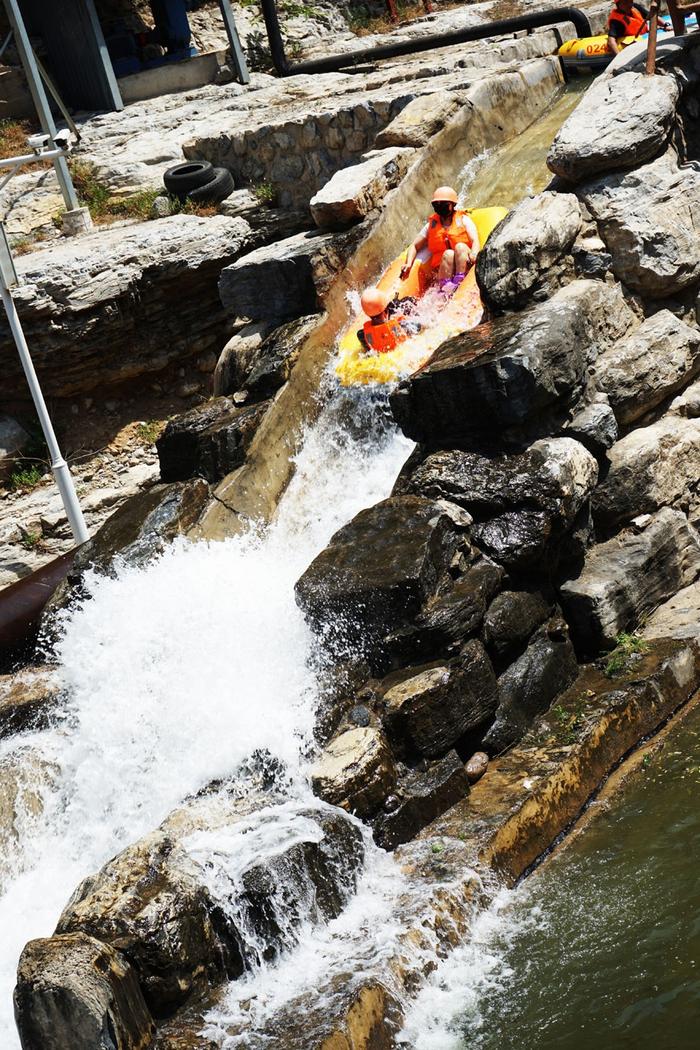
pixel 435 1020
pixel 177 672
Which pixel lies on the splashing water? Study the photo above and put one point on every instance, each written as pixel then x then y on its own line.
pixel 174 674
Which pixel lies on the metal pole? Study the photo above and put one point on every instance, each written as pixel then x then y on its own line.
pixel 651 39
pixel 237 55
pixel 40 99
pixel 58 464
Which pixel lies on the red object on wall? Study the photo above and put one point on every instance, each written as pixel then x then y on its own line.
pixel 391 8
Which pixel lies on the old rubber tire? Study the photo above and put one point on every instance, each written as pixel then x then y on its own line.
pixel 220 187
pixel 181 179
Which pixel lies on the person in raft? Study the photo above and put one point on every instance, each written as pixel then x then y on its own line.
pixel 386 327
pixel 446 246
pixel 627 19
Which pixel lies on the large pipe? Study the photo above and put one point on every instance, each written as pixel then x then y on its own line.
pixel 22 603
pixel 334 63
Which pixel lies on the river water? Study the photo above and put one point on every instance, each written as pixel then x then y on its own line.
pixel 601 947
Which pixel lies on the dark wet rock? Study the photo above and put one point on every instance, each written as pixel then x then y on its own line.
pixel 153 902
pixel 518 539
pixel 429 712
pixel 595 427
pixel 424 796
pixel 27 700
pixel 651 467
pixel 73 991
pixel 527 252
pixel 457 612
pixel 275 358
pixel 554 475
pixel 209 441
pixel 476 766
pixel 531 683
pixel 355 771
pixel 650 222
pixel 621 122
pixel 377 571
pixel 138 531
pixel 648 365
pixel 238 356
pixel 628 577
pixel 512 618
pixel 509 375
pixel 275 282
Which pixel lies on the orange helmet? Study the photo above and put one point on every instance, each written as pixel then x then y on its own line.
pixel 374 301
pixel 445 193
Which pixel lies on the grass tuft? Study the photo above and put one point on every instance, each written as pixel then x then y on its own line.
pixel 627 646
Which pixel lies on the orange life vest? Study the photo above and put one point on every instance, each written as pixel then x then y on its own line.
pixel 385 336
pixel 634 24
pixel 440 237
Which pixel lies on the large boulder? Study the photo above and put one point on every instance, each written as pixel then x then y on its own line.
pixel 512 618
pixel 237 358
pixel 422 796
pixel 422 118
pixel 73 991
pixel 185 916
pixel 526 252
pixel 377 571
pixel 628 577
pixel 13 440
pixel 648 365
pixel 595 427
pixel 353 192
pixel 621 122
pixel 209 441
pixel 276 356
pixel 651 467
pixel 355 771
pixel 555 475
pixel 451 615
pixel 429 712
pixel 512 373
pixel 121 302
pixel 276 282
pixel 546 668
pixel 650 221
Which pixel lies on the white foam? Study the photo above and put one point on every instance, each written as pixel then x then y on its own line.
pixel 177 672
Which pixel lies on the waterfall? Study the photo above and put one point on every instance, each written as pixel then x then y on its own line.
pixel 176 673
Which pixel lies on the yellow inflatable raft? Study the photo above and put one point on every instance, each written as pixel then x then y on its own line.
pixel 463 310
pixel 591 52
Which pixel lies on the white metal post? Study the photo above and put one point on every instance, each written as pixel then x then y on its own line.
pixel 41 101
pixel 58 464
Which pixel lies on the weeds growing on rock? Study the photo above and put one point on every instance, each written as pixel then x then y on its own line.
pixel 265 192
pixel 30 540
pixel 626 647
pixel 104 208
pixel 26 477
pixel 149 431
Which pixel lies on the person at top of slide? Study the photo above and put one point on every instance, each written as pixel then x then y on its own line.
pixel 627 19
pixel 446 246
